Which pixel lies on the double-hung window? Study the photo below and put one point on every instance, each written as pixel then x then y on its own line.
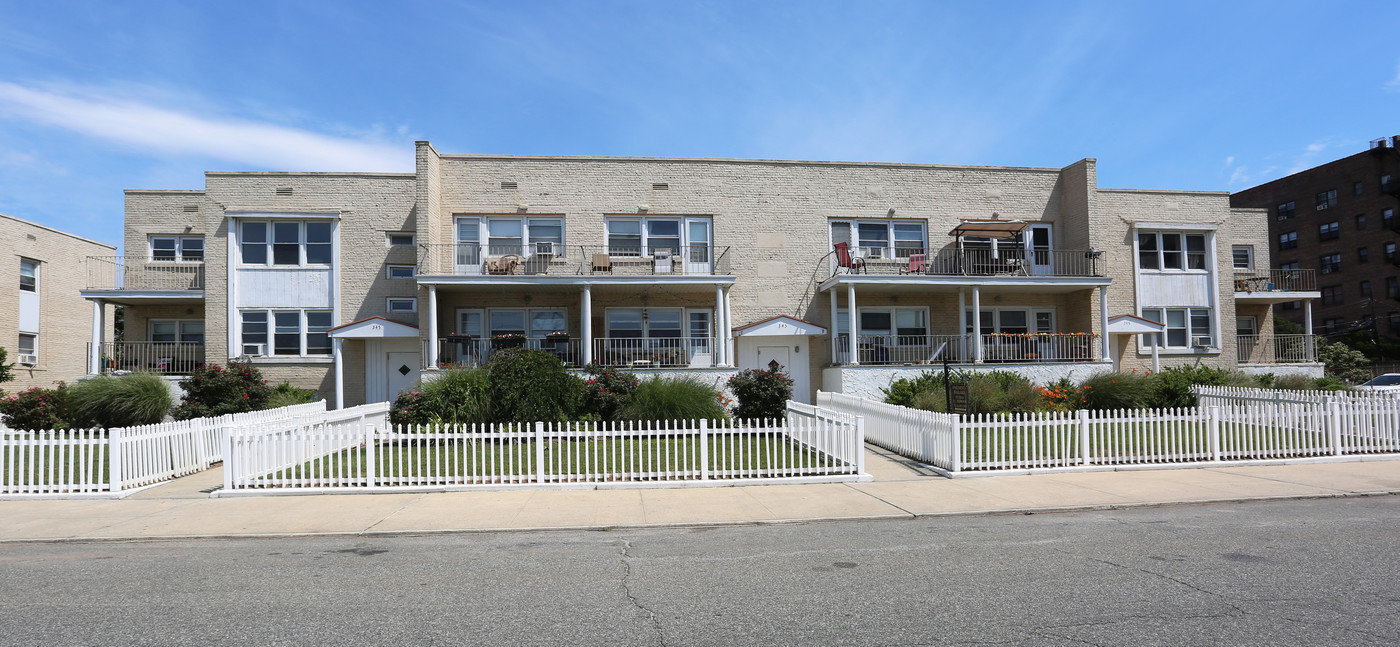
pixel 28 275
pixel 686 238
pixel 1388 218
pixel 1171 251
pixel 28 348
pixel 888 326
pixel 1185 327
pixel 1286 210
pixel 286 243
pixel 295 333
pixel 183 331
pixel 1332 295
pixel 1330 263
pixel 494 236
pixel 189 249
pixel 1242 257
pixel 882 238
pixel 1326 199
pixel 1288 240
pixel 1329 231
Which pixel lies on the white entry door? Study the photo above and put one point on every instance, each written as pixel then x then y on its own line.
pixel 783 355
pixel 1040 253
pixel 402 373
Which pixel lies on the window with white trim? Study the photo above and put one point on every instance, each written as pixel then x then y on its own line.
pixel 686 237
pixel 28 275
pixel 904 326
pixel 1242 257
pixel 1012 321
pixel 1170 250
pixel 399 238
pixel 400 271
pixel 284 332
pixel 501 235
pixel 286 243
pixel 169 249
pixel 1184 326
pixel 28 348
pixel 882 238
pixel 184 331
pixel 396 305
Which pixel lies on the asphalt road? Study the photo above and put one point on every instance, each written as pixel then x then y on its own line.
pixel 1289 573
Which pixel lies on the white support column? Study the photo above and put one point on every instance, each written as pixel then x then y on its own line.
pixel 976 325
pixel 962 325
pixel 720 347
pixel 340 375
pixel 1310 347
pixel 1103 322
pixel 586 312
pixel 98 324
pixel 834 336
pixel 432 327
pixel 729 353
pixel 1156 361
pixel 854 325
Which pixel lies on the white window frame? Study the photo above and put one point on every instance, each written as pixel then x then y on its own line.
pixel 892 249
pixel 34 347
pixel 269 244
pixel 528 245
pixel 1253 324
pixel 485 314
pixel 33 274
pixel 1184 235
pixel 843 322
pixel 685 324
pixel 644 245
pixel 179 330
pixel 179 243
pixel 1030 311
pixel 390 235
pixel 1249 257
pixel 270 347
pixel 389 272
pixel 1159 313
pixel 390 301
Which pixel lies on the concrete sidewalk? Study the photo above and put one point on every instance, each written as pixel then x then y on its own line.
pixel 902 489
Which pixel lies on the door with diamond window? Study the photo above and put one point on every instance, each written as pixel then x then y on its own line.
pixel 403 372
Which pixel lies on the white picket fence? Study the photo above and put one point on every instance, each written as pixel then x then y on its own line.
pixel 1230 426
pixel 366 454
pixel 91 461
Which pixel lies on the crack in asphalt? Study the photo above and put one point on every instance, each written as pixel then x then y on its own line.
pixel 627 590
pixel 1238 610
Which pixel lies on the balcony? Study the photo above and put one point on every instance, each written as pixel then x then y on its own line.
pixel 140 274
pixel 978 262
pixel 1276 349
pixel 549 259
pixel 1272 286
pixel 1036 348
pixel 468 350
pixel 168 358
pixel 662 352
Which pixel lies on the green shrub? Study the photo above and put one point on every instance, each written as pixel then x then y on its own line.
pixel 1062 395
pixel 456 396
pixel 679 398
pixel 930 400
pixel 1001 392
pixel 904 390
pixel 213 390
pixel 531 385
pixel 1329 384
pixel 1294 383
pixel 1264 381
pixel 1344 363
pixel 6 374
pixel 36 408
pixel 1172 386
pixel 286 395
pixel 762 395
pixel 605 391
pixel 1117 391
pixel 125 401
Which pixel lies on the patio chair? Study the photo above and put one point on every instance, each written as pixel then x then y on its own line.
pixel 602 263
pixel 661 261
pixel 917 264
pixel 844 259
pixel 503 265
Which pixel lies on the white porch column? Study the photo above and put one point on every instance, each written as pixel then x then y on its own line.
pixel 720 346
pixel 976 325
pixel 432 327
pixel 1156 361
pixel 98 324
pixel 962 324
pixel 854 326
pixel 340 375
pixel 834 336
pixel 728 331
pixel 1310 346
pixel 586 312
pixel 1103 322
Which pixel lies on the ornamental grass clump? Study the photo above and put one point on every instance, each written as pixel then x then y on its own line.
pixel 286 395
pixel 680 398
pixel 1111 391
pixel 124 401
pixel 459 396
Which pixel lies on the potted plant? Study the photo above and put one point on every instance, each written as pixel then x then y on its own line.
pixel 557 336
pixel 507 340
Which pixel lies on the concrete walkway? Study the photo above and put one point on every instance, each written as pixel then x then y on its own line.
pixel 902 489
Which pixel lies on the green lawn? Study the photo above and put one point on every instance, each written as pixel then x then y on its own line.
pixel 22 467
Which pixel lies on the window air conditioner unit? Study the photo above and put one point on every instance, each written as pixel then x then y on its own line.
pixel 254 350
pixel 1200 342
pixel 29 359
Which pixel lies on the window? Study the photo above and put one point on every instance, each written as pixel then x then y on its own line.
pixel 1385 183
pixel 1362 255
pixel 1394 318
pixel 1389 252
pixel 1184 327
pixel 630 323
pixel 1329 231
pixel 401 305
pixel 1360 221
pixel 400 238
pixel 293 332
pixel 1171 251
pixel 1392 287
pixel 1364 288
pixel 28 275
pixel 184 331
pixel 289 244
pixel 1326 199
pixel 1288 240
pixel 1388 218
pixel 1330 263
pixel 1286 211
pixel 1332 295
pixel 399 271
pixel 882 238
pixel 1332 324
pixel 1356 188
pixel 28 346
pixel 1243 257
pixel 189 249
pixel 645 236
pixel 1246 326
pixel 501 235
pixel 1011 320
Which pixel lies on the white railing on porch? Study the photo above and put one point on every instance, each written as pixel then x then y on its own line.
pixel 141 273
pixel 461 350
pixel 664 352
pixel 171 358
pixel 1276 349
pixel 368 455
pixel 878 350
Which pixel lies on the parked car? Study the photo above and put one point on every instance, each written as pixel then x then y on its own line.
pixel 1388 383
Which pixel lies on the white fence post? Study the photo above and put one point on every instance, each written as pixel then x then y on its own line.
pixel 371 453
pixel 230 459
pixel 115 454
pixel 539 452
pixel 957 442
pixel 1213 432
pixel 1083 437
pixel 860 444
pixel 704 449
pixel 1334 422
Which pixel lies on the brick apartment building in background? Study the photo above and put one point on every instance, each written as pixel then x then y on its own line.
pixel 1340 220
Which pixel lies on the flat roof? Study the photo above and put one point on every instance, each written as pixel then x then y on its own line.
pixel 56 231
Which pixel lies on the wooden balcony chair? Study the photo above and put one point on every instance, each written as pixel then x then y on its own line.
pixel 844 259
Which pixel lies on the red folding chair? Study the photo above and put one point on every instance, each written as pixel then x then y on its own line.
pixel 917 264
pixel 844 259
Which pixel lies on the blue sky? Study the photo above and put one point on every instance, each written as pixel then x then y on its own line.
pixel 96 97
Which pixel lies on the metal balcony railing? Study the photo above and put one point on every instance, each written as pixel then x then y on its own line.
pixel 1275 281
pixel 171 358
pixel 979 262
pixel 552 259
pixel 876 350
pixel 1276 349
pixel 663 352
pixel 466 350
pixel 141 273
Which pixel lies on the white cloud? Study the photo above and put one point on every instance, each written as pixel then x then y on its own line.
pixel 161 130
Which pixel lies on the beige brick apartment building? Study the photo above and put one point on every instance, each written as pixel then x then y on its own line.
pixel 848 274
pixel 43 319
